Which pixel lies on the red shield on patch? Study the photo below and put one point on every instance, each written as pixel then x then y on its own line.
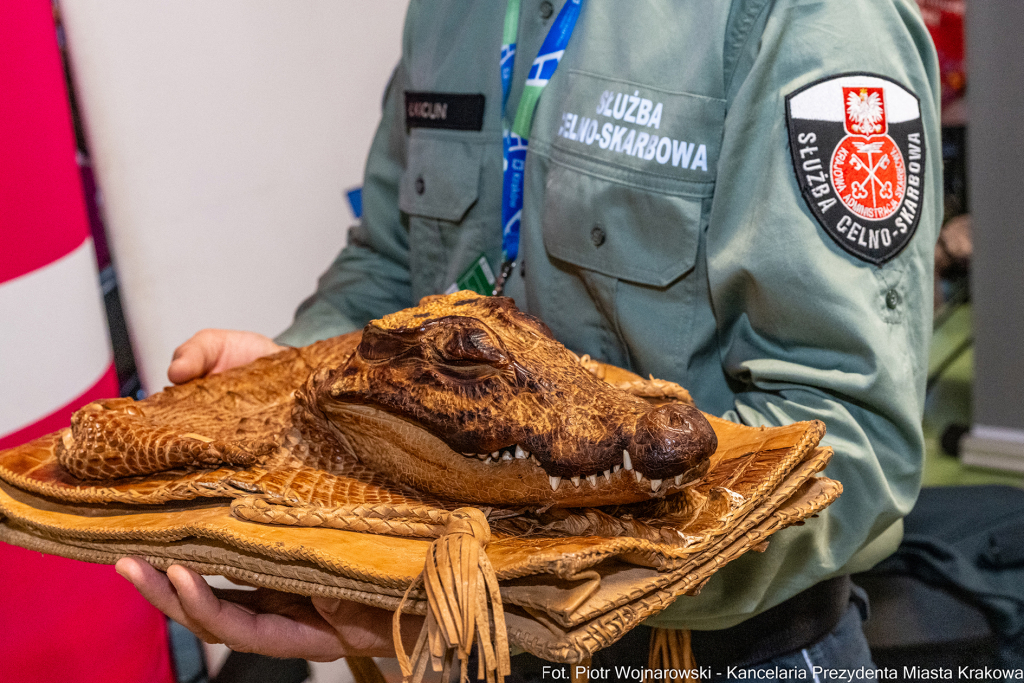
pixel 865 111
pixel 868 176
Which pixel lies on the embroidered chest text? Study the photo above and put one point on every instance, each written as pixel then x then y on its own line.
pixel 629 124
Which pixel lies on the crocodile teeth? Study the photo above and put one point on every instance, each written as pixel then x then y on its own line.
pixel 627 462
pixel 592 478
pixel 534 459
pixel 655 484
pixel 521 454
pixel 638 476
pixel 679 479
pixel 607 474
pixel 506 456
pixel 615 470
pixel 575 481
pixel 554 481
pixel 494 454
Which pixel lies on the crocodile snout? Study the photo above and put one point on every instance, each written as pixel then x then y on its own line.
pixel 670 440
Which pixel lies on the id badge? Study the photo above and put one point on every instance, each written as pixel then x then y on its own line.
pixel 478 278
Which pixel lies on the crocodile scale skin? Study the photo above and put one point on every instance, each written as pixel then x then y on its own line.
pixel 462 397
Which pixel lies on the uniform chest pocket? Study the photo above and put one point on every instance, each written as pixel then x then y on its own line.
pixel 448 213
pixel 442 177
pixel 619 229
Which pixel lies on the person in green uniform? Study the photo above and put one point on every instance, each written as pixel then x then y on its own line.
pixel 742 197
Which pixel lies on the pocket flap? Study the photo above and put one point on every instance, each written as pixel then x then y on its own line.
pixel 442 177
pixel 619 230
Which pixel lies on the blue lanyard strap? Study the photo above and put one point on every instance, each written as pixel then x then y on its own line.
pixel 515 143
pixel 508 48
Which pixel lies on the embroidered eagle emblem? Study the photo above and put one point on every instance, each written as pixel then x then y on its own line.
pixel 864 111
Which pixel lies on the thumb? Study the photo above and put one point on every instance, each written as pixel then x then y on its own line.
pixel 326 606
pixel 195 358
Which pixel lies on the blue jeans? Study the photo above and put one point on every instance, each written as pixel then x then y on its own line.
pixel 832 658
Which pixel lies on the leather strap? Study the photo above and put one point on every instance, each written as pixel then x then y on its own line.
pixel 804 619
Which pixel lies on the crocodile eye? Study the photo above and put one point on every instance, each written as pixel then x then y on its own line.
pixel 463 348
pixel 471 347
pixel 378 345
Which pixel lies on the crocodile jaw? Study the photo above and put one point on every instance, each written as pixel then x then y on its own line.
pixel 414 457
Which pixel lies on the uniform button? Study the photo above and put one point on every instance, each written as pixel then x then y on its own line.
pixel 597 236
pixel 892 298
pixel 420 185
pixel 546 10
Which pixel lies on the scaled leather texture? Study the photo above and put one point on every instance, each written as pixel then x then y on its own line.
pixel 209 489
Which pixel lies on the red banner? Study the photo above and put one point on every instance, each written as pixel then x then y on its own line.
pixel 60 620
pixel 945 21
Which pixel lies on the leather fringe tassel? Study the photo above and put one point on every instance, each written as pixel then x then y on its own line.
pixel 578 672
pixel 364 670
pixel 463 606
pixel 671 649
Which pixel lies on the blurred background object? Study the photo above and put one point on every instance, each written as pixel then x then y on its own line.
pixel 224 138
pixel 996 189
pixel 945 21
pixel 60 620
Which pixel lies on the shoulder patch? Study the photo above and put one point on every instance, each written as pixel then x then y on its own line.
pixel 858 150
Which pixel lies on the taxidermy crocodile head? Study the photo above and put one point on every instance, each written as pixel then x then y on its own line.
pixel 466 397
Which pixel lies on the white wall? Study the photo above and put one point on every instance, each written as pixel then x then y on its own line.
pixel 224 136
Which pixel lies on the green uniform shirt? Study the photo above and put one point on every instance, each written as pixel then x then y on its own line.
pixel 701 264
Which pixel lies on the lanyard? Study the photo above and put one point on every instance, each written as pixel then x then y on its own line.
pixel 515 143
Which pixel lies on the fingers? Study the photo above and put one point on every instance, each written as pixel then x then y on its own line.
pixel 264 600
pixel 300 633
pixel 241 348
pixel 211 351
pixel 266 621
pixel 158 590
pixel 185 597
pixel 197 356
pixel 367 630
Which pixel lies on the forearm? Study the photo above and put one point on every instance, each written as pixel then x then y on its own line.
pixel 359 286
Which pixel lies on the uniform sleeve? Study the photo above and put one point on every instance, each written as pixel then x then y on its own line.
pixel 370 277
pixel 807 331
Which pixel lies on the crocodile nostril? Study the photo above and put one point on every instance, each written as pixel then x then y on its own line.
pixel 671 416
pixel 673 421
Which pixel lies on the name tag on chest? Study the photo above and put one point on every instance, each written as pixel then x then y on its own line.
pixel 453 111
